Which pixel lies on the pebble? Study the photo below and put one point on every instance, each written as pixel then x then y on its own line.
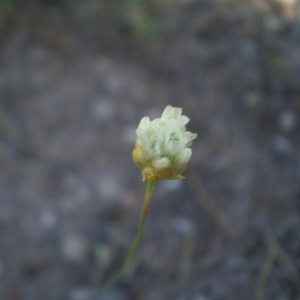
pixel 103 110
pixel 48 219
pixel 81 293
pixel 109 187
pixel 287 121
pixel 252 99
pixel 74 248
pixel 183 226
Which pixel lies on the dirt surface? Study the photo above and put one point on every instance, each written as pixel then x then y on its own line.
pixel 75 79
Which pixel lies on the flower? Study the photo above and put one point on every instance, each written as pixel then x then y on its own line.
pixel 162 146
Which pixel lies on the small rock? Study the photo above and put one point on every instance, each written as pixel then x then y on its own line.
pixel 183 226
pixel 252 99
pixel 102 252
pixel 287 121
pixel 103 110
pixel 109 187
pixel 48 219
pixel 74 248
pixel 81 293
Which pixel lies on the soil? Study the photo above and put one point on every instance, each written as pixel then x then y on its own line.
pixel 75 79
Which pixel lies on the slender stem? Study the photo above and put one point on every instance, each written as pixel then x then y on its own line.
pixel 137 239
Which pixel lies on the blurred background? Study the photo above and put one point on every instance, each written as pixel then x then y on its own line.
pixel 77 76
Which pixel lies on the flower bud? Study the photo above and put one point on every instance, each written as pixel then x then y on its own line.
pixel 162 146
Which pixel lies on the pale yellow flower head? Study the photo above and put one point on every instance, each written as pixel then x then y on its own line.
pixel 162 146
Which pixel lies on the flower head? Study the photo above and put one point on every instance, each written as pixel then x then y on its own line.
pixel 162 146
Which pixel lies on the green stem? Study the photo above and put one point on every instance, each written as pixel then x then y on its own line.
pixel 137 239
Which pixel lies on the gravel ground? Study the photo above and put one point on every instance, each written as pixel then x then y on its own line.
pixel 76 78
